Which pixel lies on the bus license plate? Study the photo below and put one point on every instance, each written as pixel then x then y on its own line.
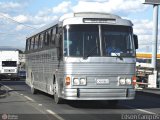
pixel 102 81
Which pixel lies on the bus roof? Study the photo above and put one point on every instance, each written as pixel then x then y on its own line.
pixel 78 15
pixel 89 15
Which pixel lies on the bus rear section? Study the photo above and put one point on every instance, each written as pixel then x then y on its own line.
pixel 9 64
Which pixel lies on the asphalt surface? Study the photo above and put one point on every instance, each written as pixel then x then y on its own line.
pixel 18 103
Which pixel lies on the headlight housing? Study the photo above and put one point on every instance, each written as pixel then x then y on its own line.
pixel 76 81
pixel 128 81
pixel 79 81
pixel 83 81
pixel 122 81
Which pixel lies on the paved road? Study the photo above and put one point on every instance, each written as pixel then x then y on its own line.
pixel 21 104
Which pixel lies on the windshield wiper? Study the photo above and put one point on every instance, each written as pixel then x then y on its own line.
pixel 118 56
pixel 90 52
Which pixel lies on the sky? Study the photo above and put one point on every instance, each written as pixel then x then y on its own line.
pixel 18 18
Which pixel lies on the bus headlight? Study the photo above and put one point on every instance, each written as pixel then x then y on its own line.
pixel 128 81
pixel 122 81
pixel 83 81
pixel 76 81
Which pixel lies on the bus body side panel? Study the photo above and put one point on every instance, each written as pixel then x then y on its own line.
pixel 41 69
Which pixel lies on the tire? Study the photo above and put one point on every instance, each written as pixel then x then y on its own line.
pixel 57 99
pixel 33 90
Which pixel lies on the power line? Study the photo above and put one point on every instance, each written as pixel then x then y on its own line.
pixel 17 21
pixel 7 33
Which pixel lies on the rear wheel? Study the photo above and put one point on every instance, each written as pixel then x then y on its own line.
pixel 33 90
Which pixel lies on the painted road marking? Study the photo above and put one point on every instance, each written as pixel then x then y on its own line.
pixel 145 111
pixel 29 98
pixel 49 111
pixel 40 104
pixel 54 114
pixel 6 87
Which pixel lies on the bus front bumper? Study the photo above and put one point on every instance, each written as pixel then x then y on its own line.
pixel 99 94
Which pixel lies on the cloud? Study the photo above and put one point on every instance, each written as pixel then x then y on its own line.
pixel 9 5
pixel 111 6
pixel 94 0
pixel 143 28
pixel 21 18
pixel 19 27
pixel 62 8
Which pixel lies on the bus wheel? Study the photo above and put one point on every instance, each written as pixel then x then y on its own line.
pixel 113 102
pixel 33 90
pixel 57 99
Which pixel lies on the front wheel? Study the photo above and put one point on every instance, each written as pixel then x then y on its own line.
pixel 57 99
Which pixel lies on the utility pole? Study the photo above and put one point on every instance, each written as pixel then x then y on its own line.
pixel 155 4
pixel 155 36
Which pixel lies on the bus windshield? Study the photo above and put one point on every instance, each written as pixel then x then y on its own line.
pixel 80 39
pixel 117 40
pixel 84 40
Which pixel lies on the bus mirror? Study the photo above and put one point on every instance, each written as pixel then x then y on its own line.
pixel 135 41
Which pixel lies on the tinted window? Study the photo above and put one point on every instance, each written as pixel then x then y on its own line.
pixel 53 36
pixel 36 42
pixel 117 40
pixel 81 40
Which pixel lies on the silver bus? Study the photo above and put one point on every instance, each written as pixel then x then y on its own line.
pixel 83 56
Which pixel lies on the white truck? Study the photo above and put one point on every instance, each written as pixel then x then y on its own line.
pixel 9 60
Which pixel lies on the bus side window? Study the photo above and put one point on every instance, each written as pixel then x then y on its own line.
pixel 53 36
pixel 27 45
pixel 46 41
pixel 41 40
pixel 36 42
pixel 49 36
pixel 32 43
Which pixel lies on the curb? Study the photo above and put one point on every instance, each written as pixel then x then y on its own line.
pixel 147 93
